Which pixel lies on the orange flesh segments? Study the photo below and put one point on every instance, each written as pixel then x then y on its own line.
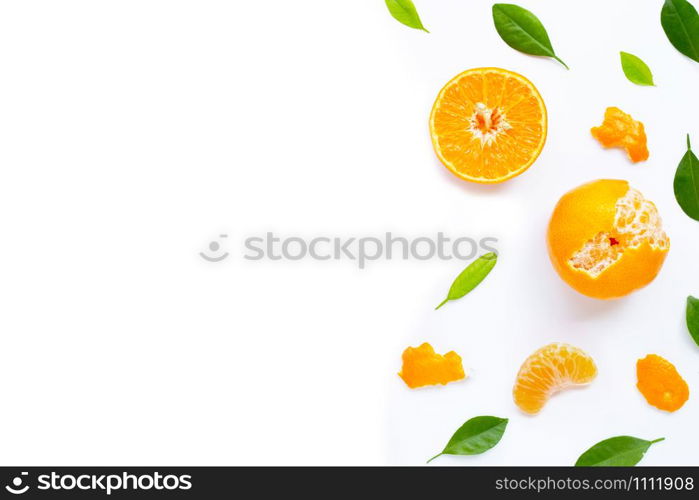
pixel 550 369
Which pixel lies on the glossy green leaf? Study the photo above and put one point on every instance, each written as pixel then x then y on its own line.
pixel 636 70
pixel 693 318
pixel 471 277
pixel 475 437
pixel 619 451
pixel 522 30
pixel 404 11
pixel 681 24
pixel 687 183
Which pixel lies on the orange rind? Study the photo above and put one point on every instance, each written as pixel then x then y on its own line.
pixel 422 366
pixel 620 130
pixel 660 383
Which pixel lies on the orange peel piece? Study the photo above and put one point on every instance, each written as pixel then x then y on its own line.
pixel 621 130
pixel 660 383
pixel 422 366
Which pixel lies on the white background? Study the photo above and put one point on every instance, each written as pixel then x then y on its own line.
pixel 134 132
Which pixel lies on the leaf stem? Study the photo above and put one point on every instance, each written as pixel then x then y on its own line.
pixel 561 61
pixel 440 305
pixel 689 144
pixel 437 455
pixel 657 440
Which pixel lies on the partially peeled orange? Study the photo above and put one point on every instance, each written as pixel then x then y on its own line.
pixel 606 239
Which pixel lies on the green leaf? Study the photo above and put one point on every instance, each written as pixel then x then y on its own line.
pixel 693 318
pixel 636 70
pixel 404 11
pixel 681 24
pixel 687 183
pixel 476 436
pixel 522 30
pixel 619 451
pixel 471 277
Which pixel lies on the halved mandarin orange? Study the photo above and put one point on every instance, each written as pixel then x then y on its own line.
pixel 422 366
pixel 550 369
pixel 660 383
pixel 488 125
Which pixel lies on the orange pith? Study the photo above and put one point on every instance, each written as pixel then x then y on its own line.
pixel 622 131
pixel 422 366
pixel 606 240
pixel 550 369
pixel 488 125
pixel 660 383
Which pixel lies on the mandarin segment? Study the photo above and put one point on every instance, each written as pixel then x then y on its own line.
pixel 422 366
pixel 550 369
pixel 606 240
pixel 488 125
pixel 620 130
pixel 660 383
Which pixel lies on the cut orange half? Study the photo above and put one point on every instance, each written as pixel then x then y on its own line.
pixel 488 125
